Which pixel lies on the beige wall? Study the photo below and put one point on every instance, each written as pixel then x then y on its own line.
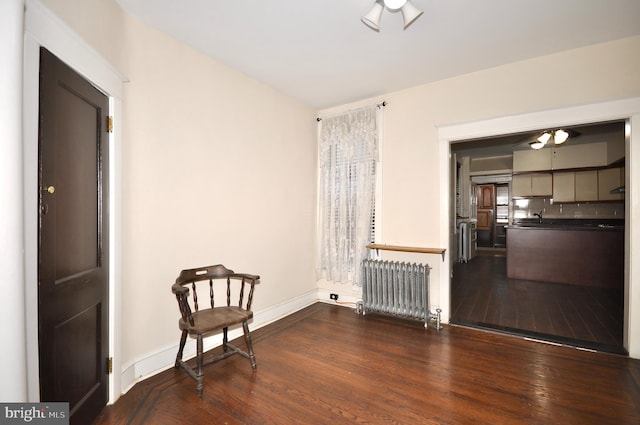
pixel 216 168
pixel 411 210
pixel 101 23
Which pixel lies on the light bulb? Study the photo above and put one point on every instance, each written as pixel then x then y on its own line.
pixel 560 136
pixel 544 138
pixel 394 4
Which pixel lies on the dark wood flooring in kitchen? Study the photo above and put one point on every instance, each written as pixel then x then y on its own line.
pixel 582 316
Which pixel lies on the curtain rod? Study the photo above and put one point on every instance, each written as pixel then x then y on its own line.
pixel 377 105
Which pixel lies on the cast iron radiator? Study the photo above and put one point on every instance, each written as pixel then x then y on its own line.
pixel 398 289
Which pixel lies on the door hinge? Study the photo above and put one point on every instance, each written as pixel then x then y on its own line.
pixel 109 124
pixel 110 365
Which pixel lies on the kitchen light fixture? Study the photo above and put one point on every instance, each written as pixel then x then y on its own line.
pixel 537 144
pixel 559 137
pixel 409 12
pixel 544 138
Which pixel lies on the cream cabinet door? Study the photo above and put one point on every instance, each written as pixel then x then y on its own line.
pixel 541 184
pixel 532 160
pixel 610 178
pixel 534 184
pixel 564 187
pixel 521 185
pixel 586 185
pixel 579 156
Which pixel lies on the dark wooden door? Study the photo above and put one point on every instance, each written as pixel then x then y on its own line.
pixel 485 197
pixel 73 272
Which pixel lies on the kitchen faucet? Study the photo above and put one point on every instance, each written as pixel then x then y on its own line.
pixel 539 215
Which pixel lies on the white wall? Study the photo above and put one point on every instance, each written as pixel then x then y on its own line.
pixel 413 211
pixel 13 386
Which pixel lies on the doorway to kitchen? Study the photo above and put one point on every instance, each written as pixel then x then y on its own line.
pixel 498 291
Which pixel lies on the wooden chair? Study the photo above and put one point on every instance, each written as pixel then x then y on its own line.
pixel 201 322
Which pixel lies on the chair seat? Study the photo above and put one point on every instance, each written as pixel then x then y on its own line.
pixel 212 319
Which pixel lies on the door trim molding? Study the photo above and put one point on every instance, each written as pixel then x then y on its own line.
pixel 43 28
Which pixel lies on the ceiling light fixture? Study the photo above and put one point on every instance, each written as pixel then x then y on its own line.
pixel 544 138
pixel 537 144
pixel 558 136
pixel 409 12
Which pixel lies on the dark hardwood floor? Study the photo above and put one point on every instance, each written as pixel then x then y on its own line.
pixel 327 365
pixel 583 316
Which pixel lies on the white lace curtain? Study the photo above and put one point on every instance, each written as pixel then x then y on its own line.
pixel 348 161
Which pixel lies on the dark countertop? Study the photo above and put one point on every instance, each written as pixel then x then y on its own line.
pixel 568 224
pixel 601 227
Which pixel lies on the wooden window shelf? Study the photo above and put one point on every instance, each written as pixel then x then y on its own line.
pixel 419 250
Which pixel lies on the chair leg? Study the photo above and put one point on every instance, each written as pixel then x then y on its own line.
pixel 247 338
pixel 199 374
pixel 225 339
pixel 183 340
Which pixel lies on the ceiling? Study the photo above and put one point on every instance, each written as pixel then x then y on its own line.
pixel 318 51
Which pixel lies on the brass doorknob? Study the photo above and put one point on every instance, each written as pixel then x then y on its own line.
pixel 51 189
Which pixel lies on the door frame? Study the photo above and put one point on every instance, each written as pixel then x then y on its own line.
pixel 43 28
pixel 625 109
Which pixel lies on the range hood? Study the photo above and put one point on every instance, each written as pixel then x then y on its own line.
pixel 619 189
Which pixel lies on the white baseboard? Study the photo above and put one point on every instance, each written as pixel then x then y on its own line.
pixel 164 359
pixel 345 299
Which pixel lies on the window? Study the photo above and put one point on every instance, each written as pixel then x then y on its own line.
pixel 348 165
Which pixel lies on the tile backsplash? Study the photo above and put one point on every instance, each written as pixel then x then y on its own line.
pixel 525 208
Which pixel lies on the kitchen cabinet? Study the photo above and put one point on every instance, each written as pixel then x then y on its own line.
pixel 579 156
pixel 535 184
pixel 561 157
pixel 586 185
pixel 521 185
pixel 564 187
pixel 532 160
pixel 608 179
pixel 541 184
